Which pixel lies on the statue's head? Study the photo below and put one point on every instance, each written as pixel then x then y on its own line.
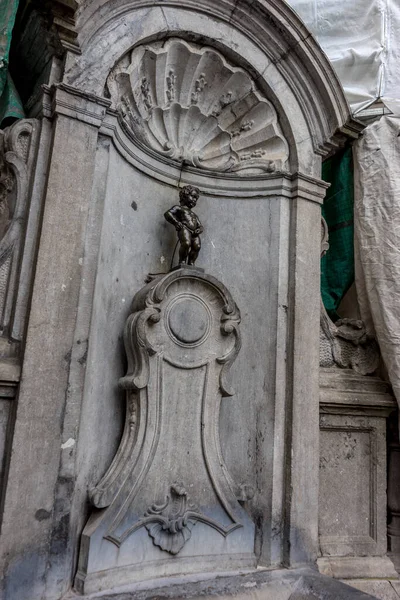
pixel 189 196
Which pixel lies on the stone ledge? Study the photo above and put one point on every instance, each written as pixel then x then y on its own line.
pixel 10 373
pixel 281 584
pixel 344 391
pixel 357 567
pixel 347 380
pixel 382 589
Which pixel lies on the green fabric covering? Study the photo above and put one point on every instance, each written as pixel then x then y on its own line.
pixel 337 266
pixel 10 103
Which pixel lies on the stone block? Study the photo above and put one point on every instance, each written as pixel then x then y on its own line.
pixel 357 567
pixel 263 584
pixel 383 590
pixel 352 513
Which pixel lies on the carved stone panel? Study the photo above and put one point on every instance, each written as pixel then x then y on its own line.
pixel 348 479
pixel 352 496
pixel 168 493
pixel 346 344
pixel 190 104
pixel 17 155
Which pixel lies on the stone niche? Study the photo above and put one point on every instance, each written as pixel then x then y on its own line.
pixel 238 100
pixel 179 102
pixel 181 113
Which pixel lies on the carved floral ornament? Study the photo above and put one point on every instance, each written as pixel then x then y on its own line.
pixel 188 103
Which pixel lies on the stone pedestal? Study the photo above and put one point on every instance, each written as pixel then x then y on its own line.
pixel 352 509
pixel 394 491
pixel 172 506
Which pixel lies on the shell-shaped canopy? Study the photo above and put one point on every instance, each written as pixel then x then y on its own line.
pixel 188 103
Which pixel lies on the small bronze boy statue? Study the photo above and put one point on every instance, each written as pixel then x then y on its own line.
pixel 187 224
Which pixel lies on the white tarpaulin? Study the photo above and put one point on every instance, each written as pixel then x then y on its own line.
pixel 377 237
pixel 362 41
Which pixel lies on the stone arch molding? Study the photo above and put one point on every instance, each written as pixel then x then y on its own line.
pixel 188 103
pixel 264 38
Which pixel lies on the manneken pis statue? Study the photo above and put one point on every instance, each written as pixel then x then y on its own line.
pixel 187 224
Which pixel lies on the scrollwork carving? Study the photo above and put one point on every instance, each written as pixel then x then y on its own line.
pixel 138 353
pixel 170 524
pixel 346 343
pixel 16 160
pixel 7 184
pixel 181 339
pixel 229 326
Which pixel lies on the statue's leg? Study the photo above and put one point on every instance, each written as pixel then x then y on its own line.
pixel 185 244
pixel 194 250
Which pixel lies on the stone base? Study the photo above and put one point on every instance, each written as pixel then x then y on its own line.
pixel 282 584
pixel 356 567
pixel 185 266
pixel 382 589
pixel 158 574
pixel 395 558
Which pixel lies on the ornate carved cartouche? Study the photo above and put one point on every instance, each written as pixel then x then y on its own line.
pixel 169 475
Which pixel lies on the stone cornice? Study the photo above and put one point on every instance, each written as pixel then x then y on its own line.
pixel 308 188
pixel 74 103
pixel 63 12
pixel 95 110
pixel 283 184
pixel 343 391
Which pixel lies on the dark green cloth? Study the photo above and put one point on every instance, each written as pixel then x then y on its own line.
pixel 10 103
pixel 337 266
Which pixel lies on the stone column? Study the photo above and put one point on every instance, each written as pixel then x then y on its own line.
pixel 301 461
pixel 36 485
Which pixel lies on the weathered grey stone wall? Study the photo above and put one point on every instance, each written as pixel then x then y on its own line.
pixel 102 231
pixel 241 248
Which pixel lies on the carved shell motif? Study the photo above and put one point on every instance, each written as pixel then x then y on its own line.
pixel 189 104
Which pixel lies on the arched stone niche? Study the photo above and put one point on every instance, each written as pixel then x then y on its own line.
pixel 243 108
pixel 266 38
pixel 115 169
pixel 186 102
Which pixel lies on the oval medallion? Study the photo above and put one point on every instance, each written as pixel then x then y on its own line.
pixel 188 320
